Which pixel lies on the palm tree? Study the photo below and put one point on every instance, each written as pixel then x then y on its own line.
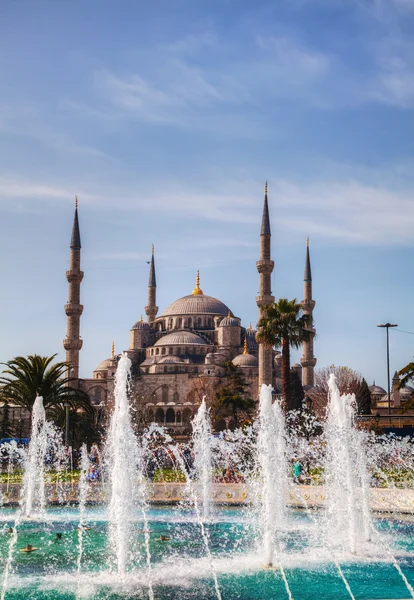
pixel 283 324
pixel 25 378
pixel 408 374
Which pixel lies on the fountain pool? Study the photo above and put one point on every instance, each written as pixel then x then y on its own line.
pixel 126 548
pixel 179 566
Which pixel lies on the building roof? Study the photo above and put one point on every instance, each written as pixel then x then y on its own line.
pixel 141 324
pixel 229 322
pixel 179 338
pixel 170 360
pixel 376 389
pixel 196 305
pixel 108 363
pixel 245 360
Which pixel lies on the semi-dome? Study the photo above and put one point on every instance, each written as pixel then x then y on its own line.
pixel 170 360
pixel 229 321
pixel 141 324
pixel 245 360
pixel 178 338
pixel 196 304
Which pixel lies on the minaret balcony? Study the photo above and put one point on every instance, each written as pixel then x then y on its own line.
pixel 308 305
pixel 73 310
pixel 265 266
pixel 74 276
pixel 72 343
pixel 264 300
pixel 307 362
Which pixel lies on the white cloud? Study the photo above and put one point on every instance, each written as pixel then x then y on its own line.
pixel 338 209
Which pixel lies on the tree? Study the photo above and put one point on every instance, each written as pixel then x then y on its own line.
pixel 348 382
pixel 283 324
pixel 232 400
pixel 25 378
pixel 407 374
pixel 296 390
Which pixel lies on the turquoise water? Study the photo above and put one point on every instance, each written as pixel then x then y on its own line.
pixel 180 569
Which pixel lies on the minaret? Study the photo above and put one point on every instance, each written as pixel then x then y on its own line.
pixel 74 308
pixel 308 361
pixel 265 267
pixel 152 308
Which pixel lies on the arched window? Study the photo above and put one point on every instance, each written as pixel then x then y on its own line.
pixel 159 416
pixel 151 415
pixel 170 324
pixel 199 321
pixel 180 323
pixel 165 369
pixel 178 417
pixel 178 350
pixel 176 397
pixel 97 395
pixel 157 351
pixel 170 417
pixel 170 350
pixel 162 350
pixel 164 394
pixel 190 322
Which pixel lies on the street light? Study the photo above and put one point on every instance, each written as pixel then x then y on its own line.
pixel 387 326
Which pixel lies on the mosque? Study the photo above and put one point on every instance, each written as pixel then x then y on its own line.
pixel 179 355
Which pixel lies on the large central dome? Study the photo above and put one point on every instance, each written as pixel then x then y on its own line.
pixel 196 305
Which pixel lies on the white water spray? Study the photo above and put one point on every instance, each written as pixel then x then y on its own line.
pixel 271 450
pixel 347 486
pixel 82 491
pixel 34 499
pixel 202 456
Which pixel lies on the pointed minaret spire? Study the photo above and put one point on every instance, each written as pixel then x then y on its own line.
pixel 73 308
pixel 152 308
pixel 75 242
pixel 265 217
pixel 308 360
pixel 265 267
pixel 113 350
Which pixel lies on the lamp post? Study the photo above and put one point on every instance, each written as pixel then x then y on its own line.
pixel 387 326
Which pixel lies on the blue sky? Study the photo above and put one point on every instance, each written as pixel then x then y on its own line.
pixel 166 118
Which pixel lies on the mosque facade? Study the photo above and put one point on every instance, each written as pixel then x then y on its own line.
pixel 180 355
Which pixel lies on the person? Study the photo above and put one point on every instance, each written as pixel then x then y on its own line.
pixel 28 548
pixel 297 470
pixel 10 530
pixel 164 538
pixel 58 536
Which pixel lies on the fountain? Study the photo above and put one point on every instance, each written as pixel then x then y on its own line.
pixel 347 486
pixel 200 549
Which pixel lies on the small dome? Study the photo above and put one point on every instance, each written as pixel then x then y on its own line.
pixel 180 337
pixel 245 360
pixel 170 359
pixel 229 321
pixel 108 363
pixel 376 389
pixel 141 324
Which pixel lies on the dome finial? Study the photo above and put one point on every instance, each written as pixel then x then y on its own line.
pixel 141 319
pixel 250 326
pixel 152 248
pixel 229 314
pixel 245 351
pixel 197 291
pixel 266 187
pixel 113 350
pixel 76 201
pixel 307 241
